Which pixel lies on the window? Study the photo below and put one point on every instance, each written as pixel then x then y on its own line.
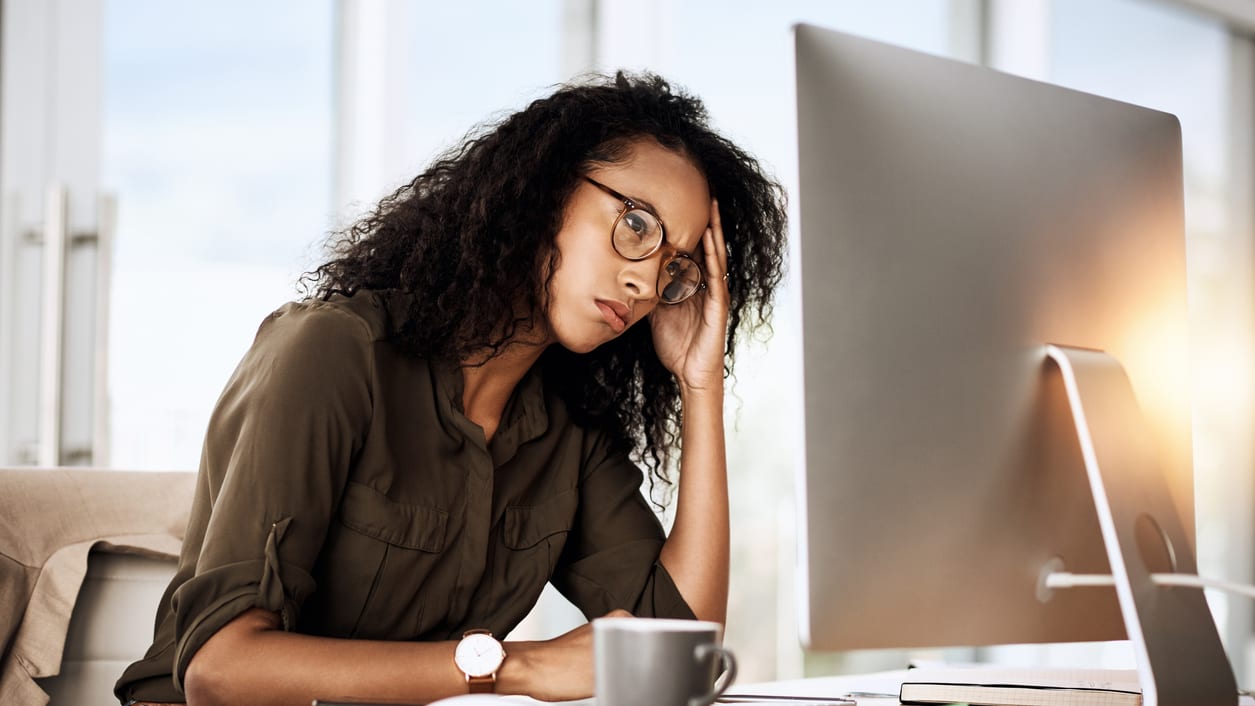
pixel 215 140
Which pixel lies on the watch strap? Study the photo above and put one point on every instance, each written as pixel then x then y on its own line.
pixel 481 685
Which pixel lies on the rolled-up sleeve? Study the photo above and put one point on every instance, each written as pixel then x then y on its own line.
pixel 611 557
pixel 276 458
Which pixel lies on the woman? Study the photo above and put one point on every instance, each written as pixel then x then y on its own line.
pixel 402 461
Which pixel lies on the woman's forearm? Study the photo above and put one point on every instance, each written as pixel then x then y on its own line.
pixel 252 661
pixel 696 553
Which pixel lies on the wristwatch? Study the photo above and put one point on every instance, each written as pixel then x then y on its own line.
pixel 479 655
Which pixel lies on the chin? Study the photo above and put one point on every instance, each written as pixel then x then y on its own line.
pixel 588 341
pixel 581 346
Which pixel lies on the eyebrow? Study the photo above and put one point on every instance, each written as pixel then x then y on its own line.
pixel 650 207
pixel 644 204
pixel 647 206
pixel 622 197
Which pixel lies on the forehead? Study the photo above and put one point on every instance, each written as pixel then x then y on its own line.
pixel 669 182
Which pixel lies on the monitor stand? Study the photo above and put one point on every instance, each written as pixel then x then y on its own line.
pixel 1180 661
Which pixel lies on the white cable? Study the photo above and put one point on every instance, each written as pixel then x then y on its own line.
pixel 1200 582
pixel 1063 579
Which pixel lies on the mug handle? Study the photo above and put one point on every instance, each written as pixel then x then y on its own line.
pixel 700 653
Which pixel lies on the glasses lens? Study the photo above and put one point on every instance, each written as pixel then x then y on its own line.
pixel 636 234
pixel 678 279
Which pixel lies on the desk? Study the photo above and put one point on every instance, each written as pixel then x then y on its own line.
pixel 875 683
pixel 818 688
pixel 878 682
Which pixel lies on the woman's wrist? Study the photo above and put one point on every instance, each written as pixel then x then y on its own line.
pixel 514 677
pixel 697 392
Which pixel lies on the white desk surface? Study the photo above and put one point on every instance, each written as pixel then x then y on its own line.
pixel 817 688
pixel 887 683
pixel 875 683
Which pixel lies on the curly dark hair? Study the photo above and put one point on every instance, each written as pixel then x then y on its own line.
pixel 500 198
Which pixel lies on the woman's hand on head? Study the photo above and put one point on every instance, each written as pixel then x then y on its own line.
pixel 689 337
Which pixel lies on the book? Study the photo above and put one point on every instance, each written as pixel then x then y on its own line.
pixel 1019 687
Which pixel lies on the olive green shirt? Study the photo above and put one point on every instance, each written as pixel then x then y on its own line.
pixel 342 487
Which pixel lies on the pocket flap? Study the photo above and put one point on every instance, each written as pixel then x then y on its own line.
pixel 406 525
pixel 526 525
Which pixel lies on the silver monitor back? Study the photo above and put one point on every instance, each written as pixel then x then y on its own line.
pixel 953 221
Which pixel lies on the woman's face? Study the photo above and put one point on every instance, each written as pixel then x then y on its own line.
pixel 596 293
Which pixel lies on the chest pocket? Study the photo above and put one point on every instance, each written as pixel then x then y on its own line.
pixel 533 537
pixel 381 545
pixel 404 525
pixel 526 526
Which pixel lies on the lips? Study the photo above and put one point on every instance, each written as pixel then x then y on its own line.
pixel 616 314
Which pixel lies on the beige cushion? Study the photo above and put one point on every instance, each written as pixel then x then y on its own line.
pixel 51 520
pixel 111 626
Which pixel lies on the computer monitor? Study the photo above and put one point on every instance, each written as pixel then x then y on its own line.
pixel 953 221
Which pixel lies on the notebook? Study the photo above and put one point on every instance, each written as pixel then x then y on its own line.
pixel 1012 687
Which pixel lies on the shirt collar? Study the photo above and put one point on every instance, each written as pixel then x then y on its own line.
pixel 525 416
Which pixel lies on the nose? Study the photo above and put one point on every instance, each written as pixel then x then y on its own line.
pixel 640 277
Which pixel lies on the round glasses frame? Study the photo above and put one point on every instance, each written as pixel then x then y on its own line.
pixel 677 259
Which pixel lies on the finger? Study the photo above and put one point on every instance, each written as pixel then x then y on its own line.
pixel 710 252
pixel 715 255
pixel 715 279
pixel 618 613
pixel 721 246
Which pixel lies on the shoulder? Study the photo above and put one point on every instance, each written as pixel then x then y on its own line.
pixel 360 318
pixel 315 344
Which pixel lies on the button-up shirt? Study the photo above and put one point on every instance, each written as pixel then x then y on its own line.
pixel 342 486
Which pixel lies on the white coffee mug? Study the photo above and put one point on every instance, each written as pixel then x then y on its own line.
pixel 659 662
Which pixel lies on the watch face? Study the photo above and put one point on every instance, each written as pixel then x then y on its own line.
pixel 479 655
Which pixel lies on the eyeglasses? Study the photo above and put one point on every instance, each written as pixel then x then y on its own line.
pixel 637 234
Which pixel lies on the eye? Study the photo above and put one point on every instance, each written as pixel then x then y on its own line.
pixel 640 223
